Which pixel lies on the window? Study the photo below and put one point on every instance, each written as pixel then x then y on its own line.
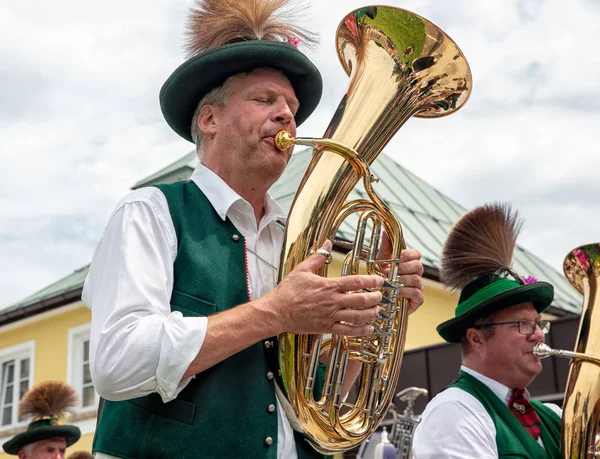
pixel 16 367
pixel 79 365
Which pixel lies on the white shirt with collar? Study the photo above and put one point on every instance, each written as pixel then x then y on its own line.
pixel 455 425
pixel 138 345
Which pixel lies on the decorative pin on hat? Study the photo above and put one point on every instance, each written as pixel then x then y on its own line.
pixel 45 404
pixel 227 37
pixel 477 261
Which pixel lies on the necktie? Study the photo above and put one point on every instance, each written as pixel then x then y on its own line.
pixel 524 412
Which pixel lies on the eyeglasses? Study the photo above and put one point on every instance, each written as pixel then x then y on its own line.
pixel 526 327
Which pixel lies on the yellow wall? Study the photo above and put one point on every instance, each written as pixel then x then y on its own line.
pixel 439 306
pixel 51 337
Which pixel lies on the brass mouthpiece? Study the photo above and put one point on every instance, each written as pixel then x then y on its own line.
pixel 284 140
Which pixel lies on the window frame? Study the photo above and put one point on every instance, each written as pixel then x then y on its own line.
pixel 20 351
pixel 77 336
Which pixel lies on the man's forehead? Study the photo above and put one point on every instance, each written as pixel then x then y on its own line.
pixel 59 440
pixel 526 310
pixel 266 77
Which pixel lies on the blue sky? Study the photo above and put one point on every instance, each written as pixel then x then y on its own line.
pixel 80 121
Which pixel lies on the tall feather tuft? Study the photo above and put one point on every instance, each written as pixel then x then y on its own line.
pixel 48 399
pixel 481 242
pixel 214 23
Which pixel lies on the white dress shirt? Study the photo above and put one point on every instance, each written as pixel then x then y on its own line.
pixel 138 345
pixel 455 425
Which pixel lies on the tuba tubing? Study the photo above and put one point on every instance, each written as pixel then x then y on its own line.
pixel 400 65
pixel 581 405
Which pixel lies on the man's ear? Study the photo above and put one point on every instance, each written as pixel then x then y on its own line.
pixel 474 337
pixel 207 122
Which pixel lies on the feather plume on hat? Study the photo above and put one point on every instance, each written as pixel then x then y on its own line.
pixel 213 23
pixel 481 242
pixel 49 399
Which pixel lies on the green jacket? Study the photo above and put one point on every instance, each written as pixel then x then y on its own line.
pixel 225 411
pixel 512 438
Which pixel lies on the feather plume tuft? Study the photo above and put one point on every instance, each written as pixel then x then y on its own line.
pixel 214 23
pixel 48 399
pixel 481 242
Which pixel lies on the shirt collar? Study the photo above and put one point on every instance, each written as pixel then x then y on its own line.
pixel 502 392
pixel 224 199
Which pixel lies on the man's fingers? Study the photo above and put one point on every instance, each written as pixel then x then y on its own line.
pixel 317 259
pixel 414 295
pixel 356 316
pixel 409 255
pixel 410 267
pixel 361 300
pixel 358 282
pixel 412 280
pixel 351 330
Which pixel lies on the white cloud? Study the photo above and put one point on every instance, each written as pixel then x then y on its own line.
pixel 80 121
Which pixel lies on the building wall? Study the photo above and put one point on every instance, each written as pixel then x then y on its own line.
pixel 50 334
pixel 439 306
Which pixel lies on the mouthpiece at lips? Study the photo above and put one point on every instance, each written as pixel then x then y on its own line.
pixel 542 350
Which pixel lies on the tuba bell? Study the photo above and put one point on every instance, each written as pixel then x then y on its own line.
pixel 581 406
pixel 400 65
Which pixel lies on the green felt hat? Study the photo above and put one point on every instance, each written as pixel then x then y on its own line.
pixel 192 80
pixel 42 429
pixel 488 294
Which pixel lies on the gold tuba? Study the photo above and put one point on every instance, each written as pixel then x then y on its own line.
pixel 581 407
pixel 399 65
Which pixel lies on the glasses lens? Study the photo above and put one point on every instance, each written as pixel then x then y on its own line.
pixel 527 327
pixel 544 325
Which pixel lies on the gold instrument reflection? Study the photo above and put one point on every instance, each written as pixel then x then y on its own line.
pixel 581 407
pixel 400 65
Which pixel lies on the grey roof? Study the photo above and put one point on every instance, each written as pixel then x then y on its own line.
pixel 175 172
pixel 426 216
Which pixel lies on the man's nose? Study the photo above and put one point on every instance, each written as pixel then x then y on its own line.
pixel 283 113
pixel 538 334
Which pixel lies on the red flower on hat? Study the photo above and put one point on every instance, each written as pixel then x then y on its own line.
pixel 294 41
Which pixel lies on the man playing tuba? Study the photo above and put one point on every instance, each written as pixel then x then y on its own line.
pixel 487 412
pixel 182 284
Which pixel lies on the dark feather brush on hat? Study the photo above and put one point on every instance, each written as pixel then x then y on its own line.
pixel 214 23
pixel 48 399
pixel 481 242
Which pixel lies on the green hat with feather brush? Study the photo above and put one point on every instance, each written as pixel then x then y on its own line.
pixel 477 261
pixel 228 37
pixel 45 404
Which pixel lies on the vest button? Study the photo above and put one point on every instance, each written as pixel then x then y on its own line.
pixel 271 408
pixel 235 238
pixel 270 375
pixel 268 441
pixel 268 344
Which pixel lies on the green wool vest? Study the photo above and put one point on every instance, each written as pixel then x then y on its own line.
pixel 512 439
pixel 225 411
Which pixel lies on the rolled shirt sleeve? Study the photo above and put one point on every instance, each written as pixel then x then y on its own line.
pixel 137 344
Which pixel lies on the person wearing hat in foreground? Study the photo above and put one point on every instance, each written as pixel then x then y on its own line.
pixel 487 411
pixel 45 404
pixel 182 284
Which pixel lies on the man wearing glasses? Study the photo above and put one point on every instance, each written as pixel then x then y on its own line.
pixel 487 411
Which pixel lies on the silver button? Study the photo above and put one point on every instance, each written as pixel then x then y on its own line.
pixel 270 375
pixel 268 441
pixel 235 237
pixel 268 344
pixel 271 408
